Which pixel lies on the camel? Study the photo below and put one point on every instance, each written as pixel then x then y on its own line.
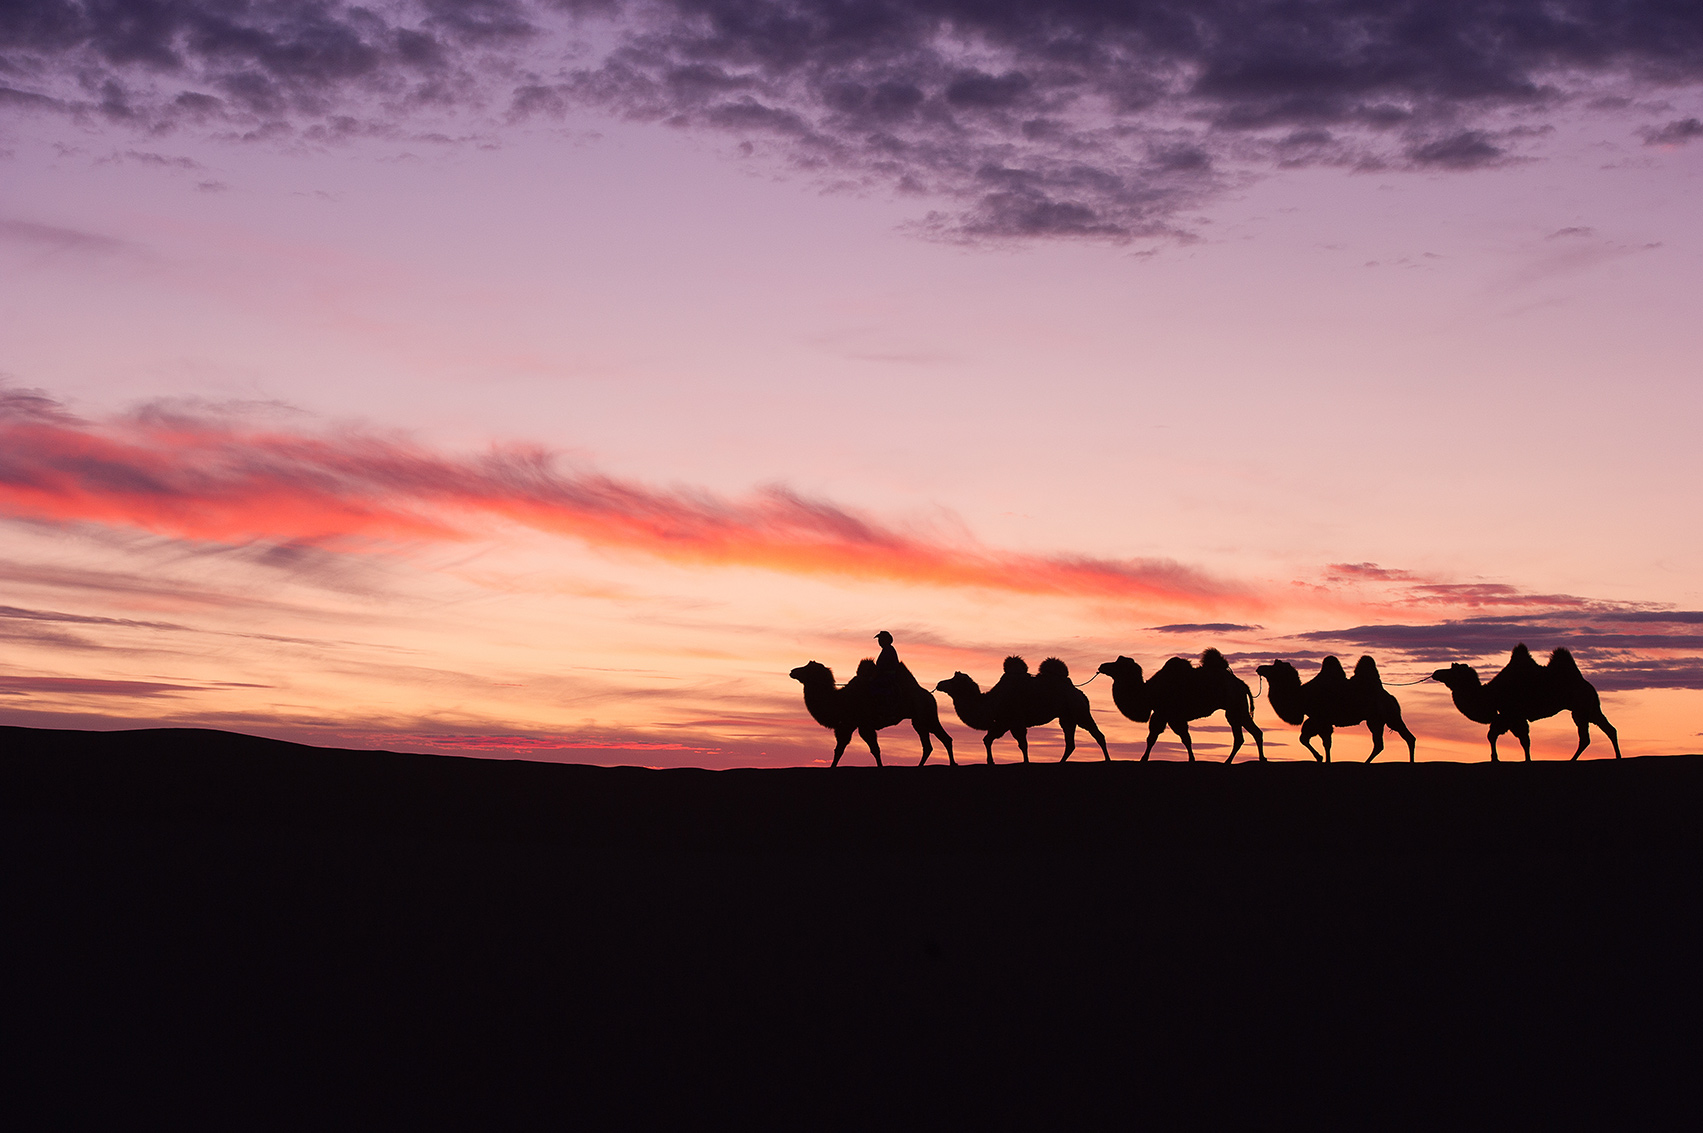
pixel 1333 699
pixel 1020 701
pixel 1180 692
pixel 1524 691
pixel 858 708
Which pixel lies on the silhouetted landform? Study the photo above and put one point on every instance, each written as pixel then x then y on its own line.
pixel 1333 699
pixel 1021 700
pixel 1525 690
pixel 1180 692
pixel 204 929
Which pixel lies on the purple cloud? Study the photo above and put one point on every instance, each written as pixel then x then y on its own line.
pixel 1025 118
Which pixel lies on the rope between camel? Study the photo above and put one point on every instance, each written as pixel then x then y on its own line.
pixel 1087 682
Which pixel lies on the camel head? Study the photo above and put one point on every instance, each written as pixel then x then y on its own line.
pixel 1124 668
pixel 958 684
pixel 813 673
pixel 1457 677
pixel 1284 684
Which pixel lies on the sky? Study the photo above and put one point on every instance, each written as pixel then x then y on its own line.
pixel 548 379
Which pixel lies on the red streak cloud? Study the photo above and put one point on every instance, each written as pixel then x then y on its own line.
pixel 211 480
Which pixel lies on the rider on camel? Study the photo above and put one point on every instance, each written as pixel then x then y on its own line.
pixel 891 683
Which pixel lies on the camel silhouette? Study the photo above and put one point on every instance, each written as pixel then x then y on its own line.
pixel 1020 701
pixel 860 708
pixel 1333 699
pixel 1525 690
pixel 1180 692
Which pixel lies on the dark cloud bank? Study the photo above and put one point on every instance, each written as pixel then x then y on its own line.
pixel 1028 118
pixel 1618 649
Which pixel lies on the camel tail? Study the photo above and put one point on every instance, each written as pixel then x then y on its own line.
pixel 1053 667
pixel 1561 663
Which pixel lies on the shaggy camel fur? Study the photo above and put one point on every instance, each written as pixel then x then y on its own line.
pixel 1020 701
pixel 1180 692
pixel 857 708
pixel 1525 690
pixel 1333 699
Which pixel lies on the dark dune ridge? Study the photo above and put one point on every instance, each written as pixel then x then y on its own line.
pixel 200 923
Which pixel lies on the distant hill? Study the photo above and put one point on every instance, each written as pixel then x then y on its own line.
pixel 208 925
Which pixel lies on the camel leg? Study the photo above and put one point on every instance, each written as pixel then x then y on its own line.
pixel 842 737
pixel 1496 729
pixel 1069 739
pixel 1377 729
pixel 1154 731
pixel 922 734
pixel 1400 728
pixel 1309 729
pixel 1022 737
pixel 1325 734
pixel 1181 727
pixel 1601 721
pixel 945 742
pixel 1239 722
pixel 1584 734
pixel 868 735
pixel 1522 730
pixel 987 741
pixel 1093 729
pixel 1259 736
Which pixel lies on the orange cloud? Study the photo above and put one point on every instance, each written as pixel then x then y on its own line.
pixel 212 479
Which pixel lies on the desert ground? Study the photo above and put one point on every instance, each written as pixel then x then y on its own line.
pixel 208 925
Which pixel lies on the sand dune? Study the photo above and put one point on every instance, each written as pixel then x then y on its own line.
pixel 208 924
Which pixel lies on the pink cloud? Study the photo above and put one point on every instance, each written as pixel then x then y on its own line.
pixel 212 479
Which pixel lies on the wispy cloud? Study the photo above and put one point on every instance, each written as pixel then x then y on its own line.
pixel 1024 119
pixel 218 479
pixel 53 238
pixel 88 686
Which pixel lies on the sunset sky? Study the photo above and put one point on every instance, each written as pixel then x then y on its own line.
pixel 548 379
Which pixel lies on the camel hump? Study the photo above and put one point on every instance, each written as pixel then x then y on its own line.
pixel 1561 663
pixel 1331 669
pixel 1212 659
pixel 1053 669
pixel 1016 666
pixel 1366 669
pixel 1521 656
